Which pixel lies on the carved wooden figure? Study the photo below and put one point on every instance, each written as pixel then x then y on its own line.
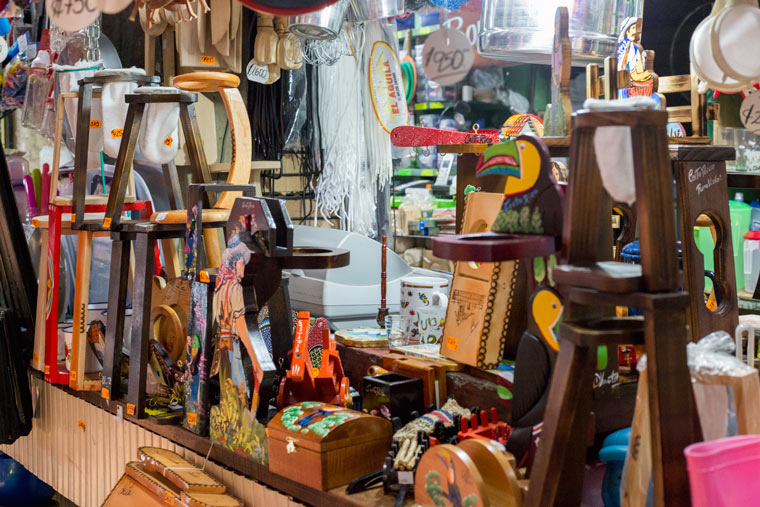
pixel 307 382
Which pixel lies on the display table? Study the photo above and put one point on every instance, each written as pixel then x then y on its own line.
pixel 79 445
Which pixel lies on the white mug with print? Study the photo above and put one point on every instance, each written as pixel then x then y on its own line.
pixel 425 298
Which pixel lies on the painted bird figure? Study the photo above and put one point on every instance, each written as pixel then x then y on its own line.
pixel 532 200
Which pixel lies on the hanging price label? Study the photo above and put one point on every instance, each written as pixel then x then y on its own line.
pixel 257 73
pixel 95 124
pixel 117 133
pixel 750 112
pixel 208 60
pixel 72 15
pixel 168 141
pixel 447 56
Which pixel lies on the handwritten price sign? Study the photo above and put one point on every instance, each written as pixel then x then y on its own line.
pixel 750 112
pixel 447 57
pixel 72 15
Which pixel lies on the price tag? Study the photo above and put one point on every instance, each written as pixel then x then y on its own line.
pixel 750 112
pixel 107 223
pixel 205 279
pixel 192 419
pixel 95 124
pixel 117 133
pixel 73 375
pixel 130 409
pixel 208 60
pixel 447 56
pixel 72 15
pixel 445 170
pixel 106 394
pixel 452 343
pixel 257 73
pixel 405 477
pixel 168 141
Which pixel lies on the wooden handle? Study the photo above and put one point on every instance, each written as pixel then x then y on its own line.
pixel 383 273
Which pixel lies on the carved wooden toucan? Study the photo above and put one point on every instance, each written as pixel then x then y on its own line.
pixel 532 200
pixel 536 354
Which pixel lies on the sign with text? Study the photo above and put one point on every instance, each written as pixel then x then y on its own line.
pixel 447 56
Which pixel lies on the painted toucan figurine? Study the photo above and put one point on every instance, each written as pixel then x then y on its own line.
pixel 536 354
pixel 532 199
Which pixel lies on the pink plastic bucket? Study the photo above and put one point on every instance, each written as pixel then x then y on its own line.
pixel 724 472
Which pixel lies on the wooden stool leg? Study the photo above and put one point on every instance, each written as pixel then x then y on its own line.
pixel 84 106
pixel 117 302
pixel 38 355
pixel 139 348
pixel 54 267
pixel 672 413
pixel 81 302
pixel 124 162
pixel 558 469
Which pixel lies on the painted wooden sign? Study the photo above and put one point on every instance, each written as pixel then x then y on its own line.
pixel 632 57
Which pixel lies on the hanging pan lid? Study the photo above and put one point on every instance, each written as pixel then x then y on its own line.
pixel 286 7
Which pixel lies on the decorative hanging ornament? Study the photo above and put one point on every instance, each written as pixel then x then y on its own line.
pixel 286 7
pixel 447 56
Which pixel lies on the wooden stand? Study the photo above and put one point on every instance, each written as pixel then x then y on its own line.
pixel 700 173
pixel 593 290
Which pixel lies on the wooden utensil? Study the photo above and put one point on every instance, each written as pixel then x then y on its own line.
pixel 382 312
pixel 289 55
pixel 265 46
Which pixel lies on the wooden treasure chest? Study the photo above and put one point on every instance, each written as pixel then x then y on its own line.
pixel 326 446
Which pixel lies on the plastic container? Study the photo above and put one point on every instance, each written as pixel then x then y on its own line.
pixel 751 260
pixel 741 215
pixel 723 472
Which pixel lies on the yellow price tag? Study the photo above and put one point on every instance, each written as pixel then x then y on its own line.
pixel 47 369
pixel 117 133
pixel 105 393
pixel 208 60
pixel 107 222
pixel 130 408
pixel 452 343
pixel 192 419
pixel 204 276
pixel 95 124
pixel 73 375
pixel 168 141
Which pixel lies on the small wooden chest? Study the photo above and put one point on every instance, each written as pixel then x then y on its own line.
pixel 325 446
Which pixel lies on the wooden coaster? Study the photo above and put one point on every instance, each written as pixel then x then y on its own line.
pixel 362 337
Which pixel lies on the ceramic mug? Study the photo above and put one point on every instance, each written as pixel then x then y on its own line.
pixel 425 298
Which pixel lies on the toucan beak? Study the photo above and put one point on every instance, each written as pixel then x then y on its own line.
pixel 499 164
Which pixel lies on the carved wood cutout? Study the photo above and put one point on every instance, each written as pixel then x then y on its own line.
pixel 701 189
pixel 561 107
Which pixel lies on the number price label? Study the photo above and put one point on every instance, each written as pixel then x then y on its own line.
pixel 750 112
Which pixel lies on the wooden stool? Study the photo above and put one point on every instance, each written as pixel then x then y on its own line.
pixel 240 164
pixel 137 105
pixel 144 236
pixel 59 205
pixel 593 289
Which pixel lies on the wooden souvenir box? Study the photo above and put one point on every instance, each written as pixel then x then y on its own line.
pixel 325 446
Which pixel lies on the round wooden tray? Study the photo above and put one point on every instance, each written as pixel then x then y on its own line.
pixel 493 247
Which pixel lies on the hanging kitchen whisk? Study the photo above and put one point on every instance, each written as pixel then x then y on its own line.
pixel 327 52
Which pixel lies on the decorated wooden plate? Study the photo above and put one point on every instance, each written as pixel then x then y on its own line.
pixel 447 476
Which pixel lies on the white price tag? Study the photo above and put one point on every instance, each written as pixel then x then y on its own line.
pixel 405 477
pixel 750 111
pixel 257 73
